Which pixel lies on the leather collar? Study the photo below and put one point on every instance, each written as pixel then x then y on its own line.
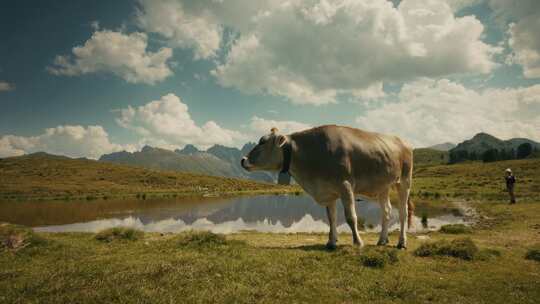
pixel 287 151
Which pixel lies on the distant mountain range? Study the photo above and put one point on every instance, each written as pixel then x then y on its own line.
pixel 225 161
pixel 217 161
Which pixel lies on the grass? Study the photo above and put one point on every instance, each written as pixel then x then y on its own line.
pixel 456 229
pixel 202 267
pixel 119 233
pixel 430 157
pixel 378 257
pixel 42 176
pixel 15 238
pixel 464 249
pixel 496 263
pixel 476 181
pixel 533 254
pixel 202 239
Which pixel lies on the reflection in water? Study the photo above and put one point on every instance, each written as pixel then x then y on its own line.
pixel 264 213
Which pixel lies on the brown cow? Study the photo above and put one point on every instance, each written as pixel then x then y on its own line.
pixel 331 162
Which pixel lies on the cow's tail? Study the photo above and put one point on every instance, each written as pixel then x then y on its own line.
pixel 410 212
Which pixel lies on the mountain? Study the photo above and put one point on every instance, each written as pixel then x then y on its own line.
pixel 162 159
pixel 188 150
pixel 233 156
pixel 443 147
pixel 216 161
pixel 487 147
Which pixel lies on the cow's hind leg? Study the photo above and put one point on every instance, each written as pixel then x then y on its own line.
pixel 403 190
pixel 386 210
pixel 332 220
pixel 347 199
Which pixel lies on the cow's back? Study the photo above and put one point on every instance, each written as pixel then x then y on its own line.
pixel 369 160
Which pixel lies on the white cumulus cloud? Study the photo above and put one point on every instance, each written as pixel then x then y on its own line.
pixel 69 140
pixel 124 55
pixel 261 126
pixel 312 51
pixel 523 31
pixel 429 112
pixel 167 123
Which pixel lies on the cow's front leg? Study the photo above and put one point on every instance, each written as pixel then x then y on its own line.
pixel 332 220
pixel 347 199
pixel 386 209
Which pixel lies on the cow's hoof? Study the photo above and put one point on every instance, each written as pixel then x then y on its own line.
pixel 331 246
pixel 382 242
pixel 401 245
pixel 358 244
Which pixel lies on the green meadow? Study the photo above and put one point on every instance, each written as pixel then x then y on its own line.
pixel 496 260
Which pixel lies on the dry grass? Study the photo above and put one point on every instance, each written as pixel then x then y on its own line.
pixel 42 176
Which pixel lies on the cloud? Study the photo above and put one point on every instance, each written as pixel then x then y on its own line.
pixel 429 112
pixel 523 37
pixel 260 126
pixel 6 86
pixel 458 5
pixel 72 141
pixel 310 52
pixel 123 55
pixel 198 25
pixel 181 28
pixel 167 123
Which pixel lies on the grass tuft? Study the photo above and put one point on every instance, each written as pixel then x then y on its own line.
pixel 456 229
pixel 119 233
pixel 464 249
pixel 533 254
pixel 14 237
pixel 202 239
pixel 378 257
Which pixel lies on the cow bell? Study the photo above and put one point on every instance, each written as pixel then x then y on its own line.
pixel 284 178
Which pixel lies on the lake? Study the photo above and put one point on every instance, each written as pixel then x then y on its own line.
pixel 263 213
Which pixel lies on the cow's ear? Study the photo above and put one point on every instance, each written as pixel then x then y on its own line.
pixel 281 140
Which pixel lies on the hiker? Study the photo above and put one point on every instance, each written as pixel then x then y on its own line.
pixel 510 181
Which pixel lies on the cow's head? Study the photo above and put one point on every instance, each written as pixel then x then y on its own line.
pixel 267 154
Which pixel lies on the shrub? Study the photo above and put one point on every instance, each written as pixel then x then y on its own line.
pixel 486 254
pixel 119 233
pixel 533 254
pixel 378 257
pixel 460 248
pixel 424 220
pixel 14 237
pixel 202 238
pixel 456 229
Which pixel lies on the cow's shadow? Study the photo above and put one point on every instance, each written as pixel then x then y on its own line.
pixel 319 248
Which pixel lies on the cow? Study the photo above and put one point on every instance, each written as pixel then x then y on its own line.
pixel 337 162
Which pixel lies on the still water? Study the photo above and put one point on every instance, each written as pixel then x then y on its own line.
pixel 264 213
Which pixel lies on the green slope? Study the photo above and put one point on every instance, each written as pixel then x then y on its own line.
pixel 45 176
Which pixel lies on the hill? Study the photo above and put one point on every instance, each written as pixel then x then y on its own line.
pixel 443 147
pixel 487 147
pixel 42 175
pixel 429 157
pixel 217 161
pixel 477 180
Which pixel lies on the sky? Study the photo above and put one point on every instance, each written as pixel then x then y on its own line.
pixel 85 78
